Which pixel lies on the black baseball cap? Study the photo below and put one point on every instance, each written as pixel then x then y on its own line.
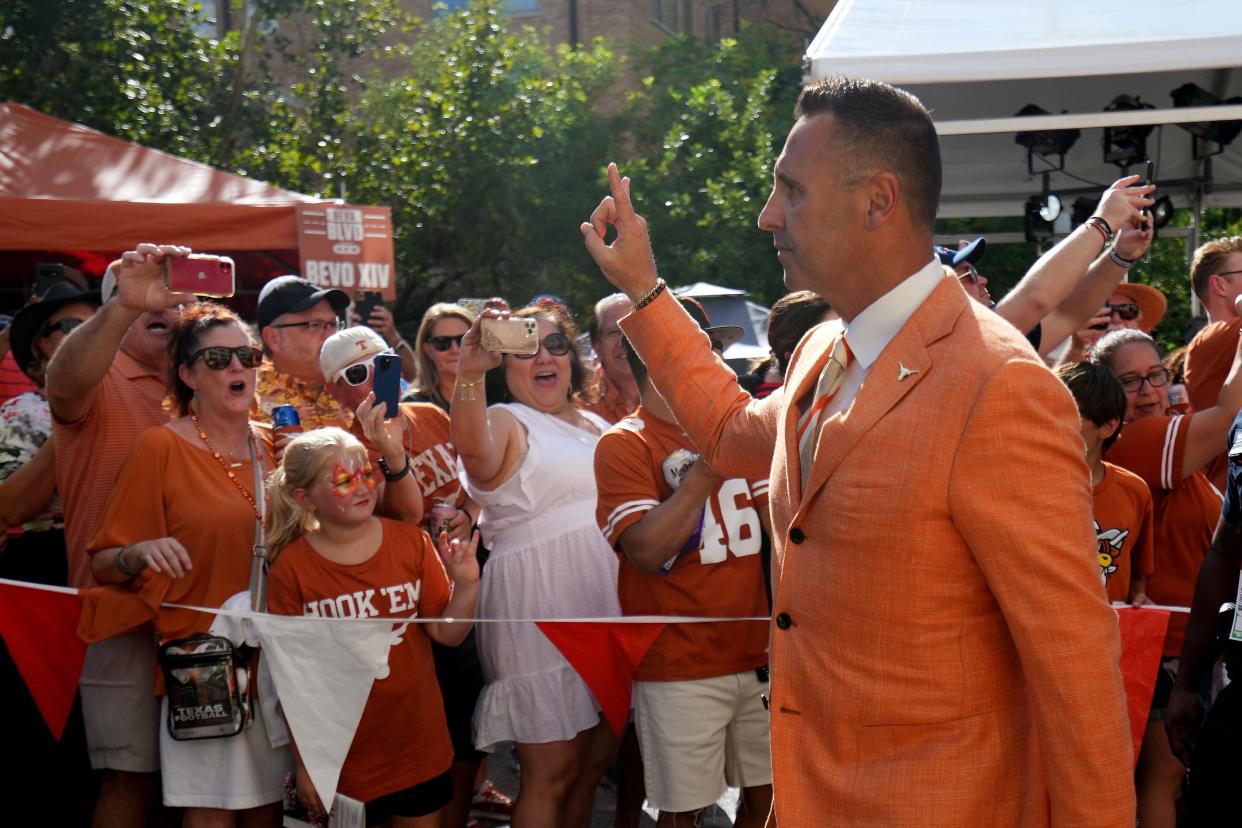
pixel 291 294
pixel 29 321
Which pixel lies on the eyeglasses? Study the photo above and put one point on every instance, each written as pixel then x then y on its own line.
pixel 218 357
pixel 971 275
pixel 717 345
pixel 1156 379
pixel 1128 311
pixel 557 344
pixel 318 326
pixel 1228 272
pixel 443 343
pixel 65 326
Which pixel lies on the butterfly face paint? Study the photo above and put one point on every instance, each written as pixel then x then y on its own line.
pixel 347 484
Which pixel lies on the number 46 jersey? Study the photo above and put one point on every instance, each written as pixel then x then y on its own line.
pixel 638 464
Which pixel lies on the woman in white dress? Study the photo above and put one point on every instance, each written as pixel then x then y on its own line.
pixel 528 460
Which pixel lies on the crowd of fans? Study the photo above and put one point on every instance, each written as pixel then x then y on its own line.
pixel 137 449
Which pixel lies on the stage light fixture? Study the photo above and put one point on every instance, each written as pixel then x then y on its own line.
pixel 1040 214
pixel 1082 210
pixel 1210 137
pixel 1045 142
pixel 1126 145
pixel 1162 212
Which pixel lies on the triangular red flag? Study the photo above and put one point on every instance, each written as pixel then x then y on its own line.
pixel 39 628
pixel 606 655
pixel 1142 641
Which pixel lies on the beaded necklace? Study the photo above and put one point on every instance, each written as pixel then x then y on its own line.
pixel 224 464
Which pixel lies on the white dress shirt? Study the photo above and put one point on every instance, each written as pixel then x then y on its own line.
pixel 869 333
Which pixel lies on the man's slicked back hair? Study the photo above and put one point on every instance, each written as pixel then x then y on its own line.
pixel 881 127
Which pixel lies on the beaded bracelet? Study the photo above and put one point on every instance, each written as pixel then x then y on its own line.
pixel 1121 261
pixel 646 300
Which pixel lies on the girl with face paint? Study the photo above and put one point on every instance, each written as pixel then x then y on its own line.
pixel 334 558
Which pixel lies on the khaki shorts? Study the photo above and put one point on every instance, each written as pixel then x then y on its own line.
pixel 697 737
pixel 119 704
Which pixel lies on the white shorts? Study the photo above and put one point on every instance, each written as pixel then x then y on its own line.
pixel 233 773
pixel 697 737
pixel 119 705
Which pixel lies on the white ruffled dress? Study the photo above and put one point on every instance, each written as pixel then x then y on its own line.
pixel 548 560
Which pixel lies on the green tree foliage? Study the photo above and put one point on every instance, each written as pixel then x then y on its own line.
pixel 488 147
pixel 709 122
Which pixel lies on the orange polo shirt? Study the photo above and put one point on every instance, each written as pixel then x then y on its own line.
pixel 91 451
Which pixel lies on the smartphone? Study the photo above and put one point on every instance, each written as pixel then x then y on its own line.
pixel 387 386
pixel 509 336
pixel 202 275
pixel 365 301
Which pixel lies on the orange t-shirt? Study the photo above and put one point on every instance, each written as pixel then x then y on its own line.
pixel 171 488
pixel 1209 356
pixel 611 407
pixel 91 451
pixel 1186 512
pixel 402 739
pixel 722 577
pixel 433 460
pixel 1123 529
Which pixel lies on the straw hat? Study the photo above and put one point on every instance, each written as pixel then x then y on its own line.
pixel 1152 303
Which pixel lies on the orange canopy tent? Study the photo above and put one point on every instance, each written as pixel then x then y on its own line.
pixel 71 194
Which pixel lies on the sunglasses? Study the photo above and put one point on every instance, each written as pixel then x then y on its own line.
pixel 218 357
pixel 1128 311
pixel 358 373
pixel 443 343
pixel 557 344
pixel 65 326
pixel 971 275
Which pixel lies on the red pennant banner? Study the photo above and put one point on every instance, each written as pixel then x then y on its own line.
pixel 40 629
pixel 1142 641
pixel 606 655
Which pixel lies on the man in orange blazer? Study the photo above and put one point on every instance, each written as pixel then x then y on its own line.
pixel 942 653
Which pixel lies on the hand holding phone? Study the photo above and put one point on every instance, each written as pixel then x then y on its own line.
pixel 365 302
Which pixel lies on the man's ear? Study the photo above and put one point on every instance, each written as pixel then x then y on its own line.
pixel 1218 285
pixel 883 192
pixel 269 335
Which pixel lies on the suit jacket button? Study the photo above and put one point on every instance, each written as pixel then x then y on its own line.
pixel 784 621
pixel 796 535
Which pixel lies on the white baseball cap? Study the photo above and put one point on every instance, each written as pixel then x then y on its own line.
pixel 344 348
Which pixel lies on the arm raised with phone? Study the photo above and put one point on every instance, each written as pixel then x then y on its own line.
pixel 87 353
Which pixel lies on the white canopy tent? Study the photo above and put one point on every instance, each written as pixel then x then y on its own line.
pixel 729 306
pixel 975 63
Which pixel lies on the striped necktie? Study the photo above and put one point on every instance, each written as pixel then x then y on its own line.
pixel 810 422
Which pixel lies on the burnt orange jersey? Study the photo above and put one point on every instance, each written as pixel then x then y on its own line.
pixel 1123 529
pixel 637 464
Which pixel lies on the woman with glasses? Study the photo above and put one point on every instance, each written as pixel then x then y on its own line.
pixel 1168 451
pixel 436 348
pixel 179 529
pixel 528 460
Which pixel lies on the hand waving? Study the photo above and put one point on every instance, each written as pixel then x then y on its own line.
pixel 459 556
pixel 627 263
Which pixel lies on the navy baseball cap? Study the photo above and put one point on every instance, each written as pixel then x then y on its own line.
pixel 971 253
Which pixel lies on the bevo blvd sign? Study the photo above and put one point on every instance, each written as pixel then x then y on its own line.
pixel 347 246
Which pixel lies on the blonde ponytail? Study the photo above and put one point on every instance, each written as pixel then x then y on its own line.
pixel 304 459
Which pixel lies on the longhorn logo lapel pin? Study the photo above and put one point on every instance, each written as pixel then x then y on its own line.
pixel 903 372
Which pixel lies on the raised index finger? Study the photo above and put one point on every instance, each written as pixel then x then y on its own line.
pixel 620 193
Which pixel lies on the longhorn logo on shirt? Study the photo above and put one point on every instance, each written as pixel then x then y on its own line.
pixel 1108 543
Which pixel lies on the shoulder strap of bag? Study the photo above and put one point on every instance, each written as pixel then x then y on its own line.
pixel 258 558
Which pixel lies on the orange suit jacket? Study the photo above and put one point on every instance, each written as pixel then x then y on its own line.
pixel 942 651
